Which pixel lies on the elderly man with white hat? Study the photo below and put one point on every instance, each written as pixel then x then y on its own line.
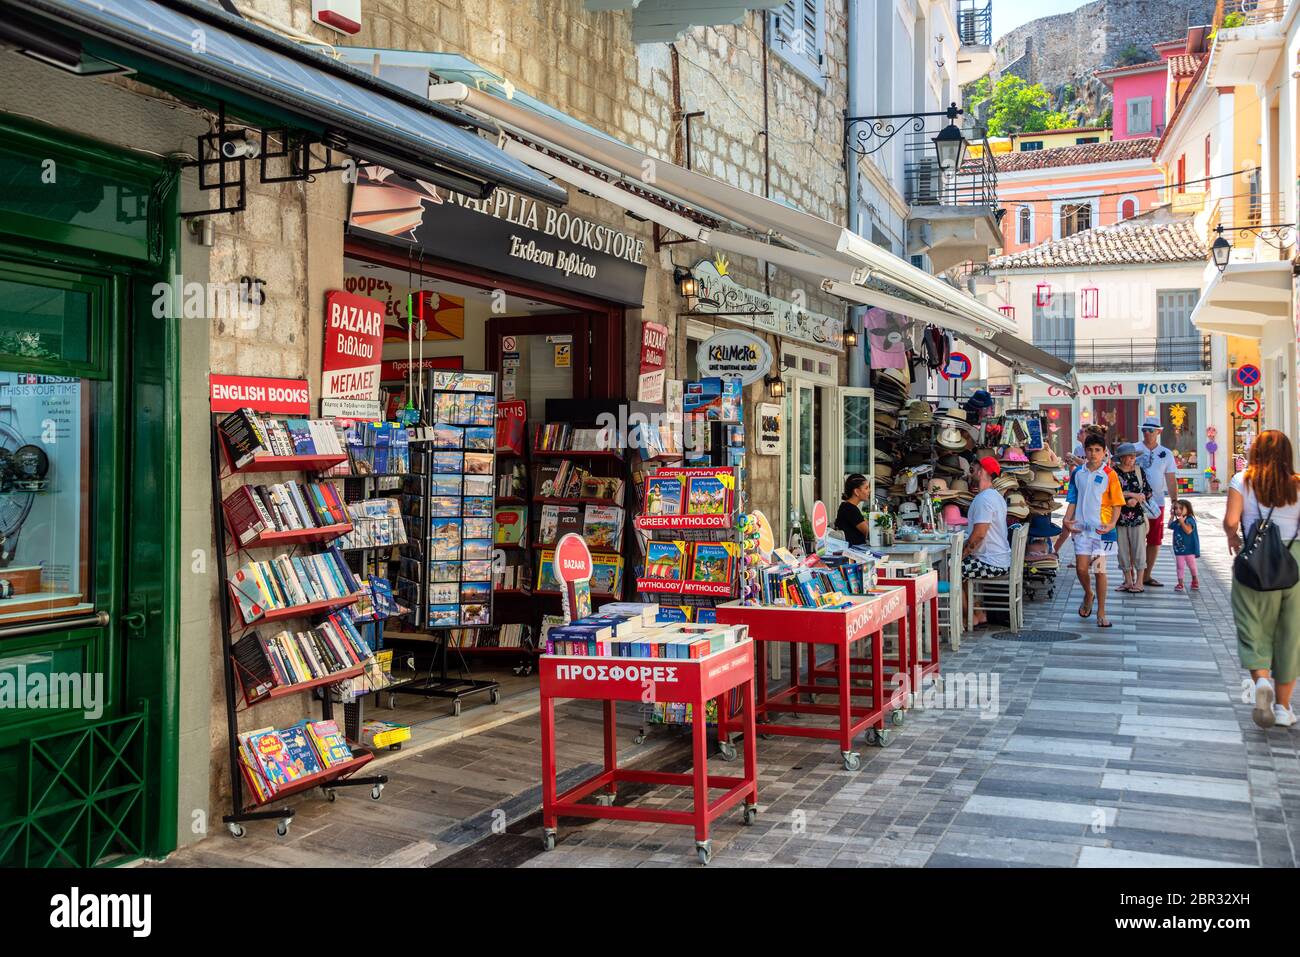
pixel 1161 470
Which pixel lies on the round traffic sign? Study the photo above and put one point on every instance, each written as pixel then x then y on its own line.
pixel 958 366
pixel 572 559
pixel 1248 408
pixel 819 520
pixel 1248 375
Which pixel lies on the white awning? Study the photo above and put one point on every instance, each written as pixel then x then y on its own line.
pixel 1027 359
pixel 795 240
pixel 1245 298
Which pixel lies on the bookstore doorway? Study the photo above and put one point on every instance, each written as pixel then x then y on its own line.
pixel 89 508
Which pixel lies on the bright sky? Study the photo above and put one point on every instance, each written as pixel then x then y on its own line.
pixel 1009 14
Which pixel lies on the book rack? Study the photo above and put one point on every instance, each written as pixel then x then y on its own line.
pixel 247 809
pixel 694 681
pixel 841 631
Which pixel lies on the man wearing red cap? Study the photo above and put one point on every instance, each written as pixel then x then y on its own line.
pixel 987 553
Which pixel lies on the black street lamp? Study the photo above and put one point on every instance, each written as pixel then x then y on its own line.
pixel 949 144
pixel 865 135
pixel 1221 251
pixel 1277 235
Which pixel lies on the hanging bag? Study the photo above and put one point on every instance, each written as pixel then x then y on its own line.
pixel 1264 563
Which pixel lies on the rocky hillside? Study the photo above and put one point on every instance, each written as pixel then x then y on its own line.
pixel 1062 51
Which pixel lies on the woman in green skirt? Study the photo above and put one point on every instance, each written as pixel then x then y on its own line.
pixel 1268 622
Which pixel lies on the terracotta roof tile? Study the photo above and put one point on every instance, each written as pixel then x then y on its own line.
pixel 1183 65
pixel 1113 152
pixel 1112 246
pixel 1128 68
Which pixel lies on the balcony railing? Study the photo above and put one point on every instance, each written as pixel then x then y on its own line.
pixel 1249 12
pixel 975 22
pixel 1178 354
pixel 1252 220
pixel 975 184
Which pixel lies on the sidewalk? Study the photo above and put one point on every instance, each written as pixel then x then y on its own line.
pixel 1127 747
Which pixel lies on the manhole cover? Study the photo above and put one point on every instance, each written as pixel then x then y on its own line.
pixel 1037 636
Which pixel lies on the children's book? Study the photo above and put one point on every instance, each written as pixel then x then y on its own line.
pixel 706 495
pixel 606 574
pixel 510 523
pixel 546 580
pixel 665 560
pixel 548 525
pixel 568 519
pixel 330 745
pixel 711 562
pixel 663 495
pixel 602 527
pixel 299 756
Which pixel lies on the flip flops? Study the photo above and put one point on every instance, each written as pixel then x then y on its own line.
pixel 1085 610
pixel 1103 622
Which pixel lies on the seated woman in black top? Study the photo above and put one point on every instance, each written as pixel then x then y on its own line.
pixel 849 519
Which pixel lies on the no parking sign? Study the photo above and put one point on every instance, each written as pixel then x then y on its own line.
pixel 958 366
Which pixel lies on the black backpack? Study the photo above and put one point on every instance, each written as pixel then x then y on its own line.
pixel 1264 563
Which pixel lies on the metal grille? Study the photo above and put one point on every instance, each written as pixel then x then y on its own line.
pixel 1037 636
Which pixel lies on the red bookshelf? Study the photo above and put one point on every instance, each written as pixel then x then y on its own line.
pixel 575 454
pixel 552 500
pixel 290 463
pixel 283 691
pixel 296 611
pixel 324 533
pixel 334 773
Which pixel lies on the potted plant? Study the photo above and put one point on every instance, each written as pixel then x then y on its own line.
pixel 882 529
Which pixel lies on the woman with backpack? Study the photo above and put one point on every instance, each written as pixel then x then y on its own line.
pixel 1264 506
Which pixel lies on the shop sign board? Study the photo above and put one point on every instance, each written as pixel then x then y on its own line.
pixel 735 354
pixel 363 409
pixel 354 346
pixel 769 428
pixel 654 345
pixel 1122 389
pixel 572 559
pixel 719 293
pixel 228 393
pixel 507 233
pixel 1001 391
pixel 819 520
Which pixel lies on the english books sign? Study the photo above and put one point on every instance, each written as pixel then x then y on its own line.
pixel 354 345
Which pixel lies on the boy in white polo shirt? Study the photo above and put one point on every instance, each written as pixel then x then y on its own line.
pixel 1095 500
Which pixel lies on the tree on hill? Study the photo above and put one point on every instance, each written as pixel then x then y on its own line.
pixel 1015 106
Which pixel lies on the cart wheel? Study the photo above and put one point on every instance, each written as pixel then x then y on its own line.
pixel 871 736
pixel 704 851
pixel 375 791
pixel 395 747
pixel 727 750
pixel 455 708
pixel 897 717
pixel 392 702
pixel 282 828
pixel 605 800
pixel 548 841
pixel 331 795
pixel 639 739
pixel 236 829
pixel 882 737
pixel 494 695
pixel 852 760
pixel 751 812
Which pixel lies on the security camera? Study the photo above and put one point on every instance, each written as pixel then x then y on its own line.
pixel 239 146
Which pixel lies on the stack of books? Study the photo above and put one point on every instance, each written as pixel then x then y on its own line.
pixel 619 636
pixel 291 658
pixel 513 483
pixel 563 437
pixel 248 435
pixel 274 759
pixel 289 580
pixel 289 506
pixel 796 584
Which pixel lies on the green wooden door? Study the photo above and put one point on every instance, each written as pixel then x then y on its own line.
pixel 88 510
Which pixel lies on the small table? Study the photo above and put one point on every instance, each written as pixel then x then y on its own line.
pixel 692 681
pixel 922 597
pixel 841 630
pixel 949 570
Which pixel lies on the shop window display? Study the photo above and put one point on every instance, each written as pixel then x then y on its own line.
pixel 1181 431
pixel 1122 418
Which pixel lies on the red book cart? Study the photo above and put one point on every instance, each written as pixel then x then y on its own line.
pixel 686 681
pixel 842 631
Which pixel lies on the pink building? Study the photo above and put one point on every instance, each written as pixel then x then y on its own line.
pixel 1139 96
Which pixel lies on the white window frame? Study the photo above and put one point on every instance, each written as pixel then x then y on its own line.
pixel 1128 115
pixel 1058 207
pixel 808 62
pixel 1025 208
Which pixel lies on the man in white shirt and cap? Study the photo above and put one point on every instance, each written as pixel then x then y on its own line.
pixel 1161 470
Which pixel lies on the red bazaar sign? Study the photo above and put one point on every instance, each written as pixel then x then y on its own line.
pixel 654 343
pixel 354 343
pixel 572 559
pixel 819 520
pixel 275 396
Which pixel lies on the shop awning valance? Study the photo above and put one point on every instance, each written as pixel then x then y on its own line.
pixel 1245 298
pixel 199 48
pixel 765 229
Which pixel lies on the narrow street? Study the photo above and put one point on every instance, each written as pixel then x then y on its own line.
pixel 1130 747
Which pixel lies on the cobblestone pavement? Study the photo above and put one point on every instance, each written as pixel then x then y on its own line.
pixel 1127 747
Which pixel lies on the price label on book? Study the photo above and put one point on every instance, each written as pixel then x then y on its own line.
pixel 572 559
